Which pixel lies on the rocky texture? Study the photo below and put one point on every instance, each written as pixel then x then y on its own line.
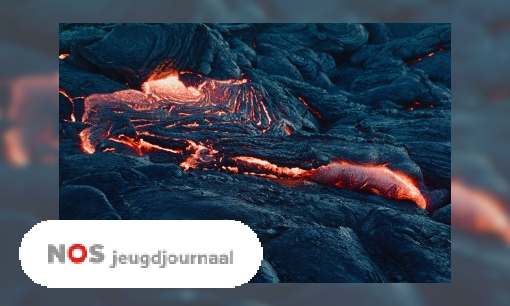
pixel 443 215
pixel 85 203
pixel 247 122
pixel 266 274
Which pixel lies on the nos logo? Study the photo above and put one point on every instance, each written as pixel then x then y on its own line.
pixel 73 253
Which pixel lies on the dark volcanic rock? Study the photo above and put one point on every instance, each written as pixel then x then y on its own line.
pixel 334 255
pixel 133 52
pixel 85 203
pixel 110 183
pixel 79 83
pixel 416 251
pixel 74 166
pixel 65 106
pixel 443 215
pixel 265 274
pixel 160 171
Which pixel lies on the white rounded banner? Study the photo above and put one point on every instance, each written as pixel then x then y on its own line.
pixel 140 253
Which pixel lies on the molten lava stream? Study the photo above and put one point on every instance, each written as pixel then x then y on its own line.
pixel 87 147
pixel 260 166
pixel 141 146
pixel 378 179
pixel 171 88
pixel 202 154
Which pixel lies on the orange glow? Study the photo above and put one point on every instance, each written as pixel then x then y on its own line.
pixel 316 113
pixel 475 210
pixel 378 179
pixel 191 124
pixel 225 97
pixel 141 146
pixel 220 97
pixel 145 146
pixel 232 82
pixel 419 59
pixel 171 89
pixel 264 167
pixel 85 141
pixel 64 55
pixel 202 154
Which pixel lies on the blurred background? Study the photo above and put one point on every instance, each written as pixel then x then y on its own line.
pixel 480 170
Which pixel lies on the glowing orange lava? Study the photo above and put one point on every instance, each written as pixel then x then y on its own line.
pixel 316 113
pixel 171 88
pixel 244 103
pixel 264 167
pixel 202 154
pixel 191 124
pixel 476 210
pixel 85 141
pixel 62 56
pixel 377 179
pixel 240 101
pixel 141 146
pixel 420 58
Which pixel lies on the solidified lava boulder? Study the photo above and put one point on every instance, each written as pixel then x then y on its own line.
pixel 133 52
pixel 331 141
pixel 416 251
pixel 335 255
pixel 78 202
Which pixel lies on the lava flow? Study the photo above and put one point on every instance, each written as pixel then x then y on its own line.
pixel 260 166
pixel 202 154
pixel 377 179
pixel 186 102
pixel 225 101
pixel 171 88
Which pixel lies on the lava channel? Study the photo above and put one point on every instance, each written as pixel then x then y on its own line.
pixel 377 179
